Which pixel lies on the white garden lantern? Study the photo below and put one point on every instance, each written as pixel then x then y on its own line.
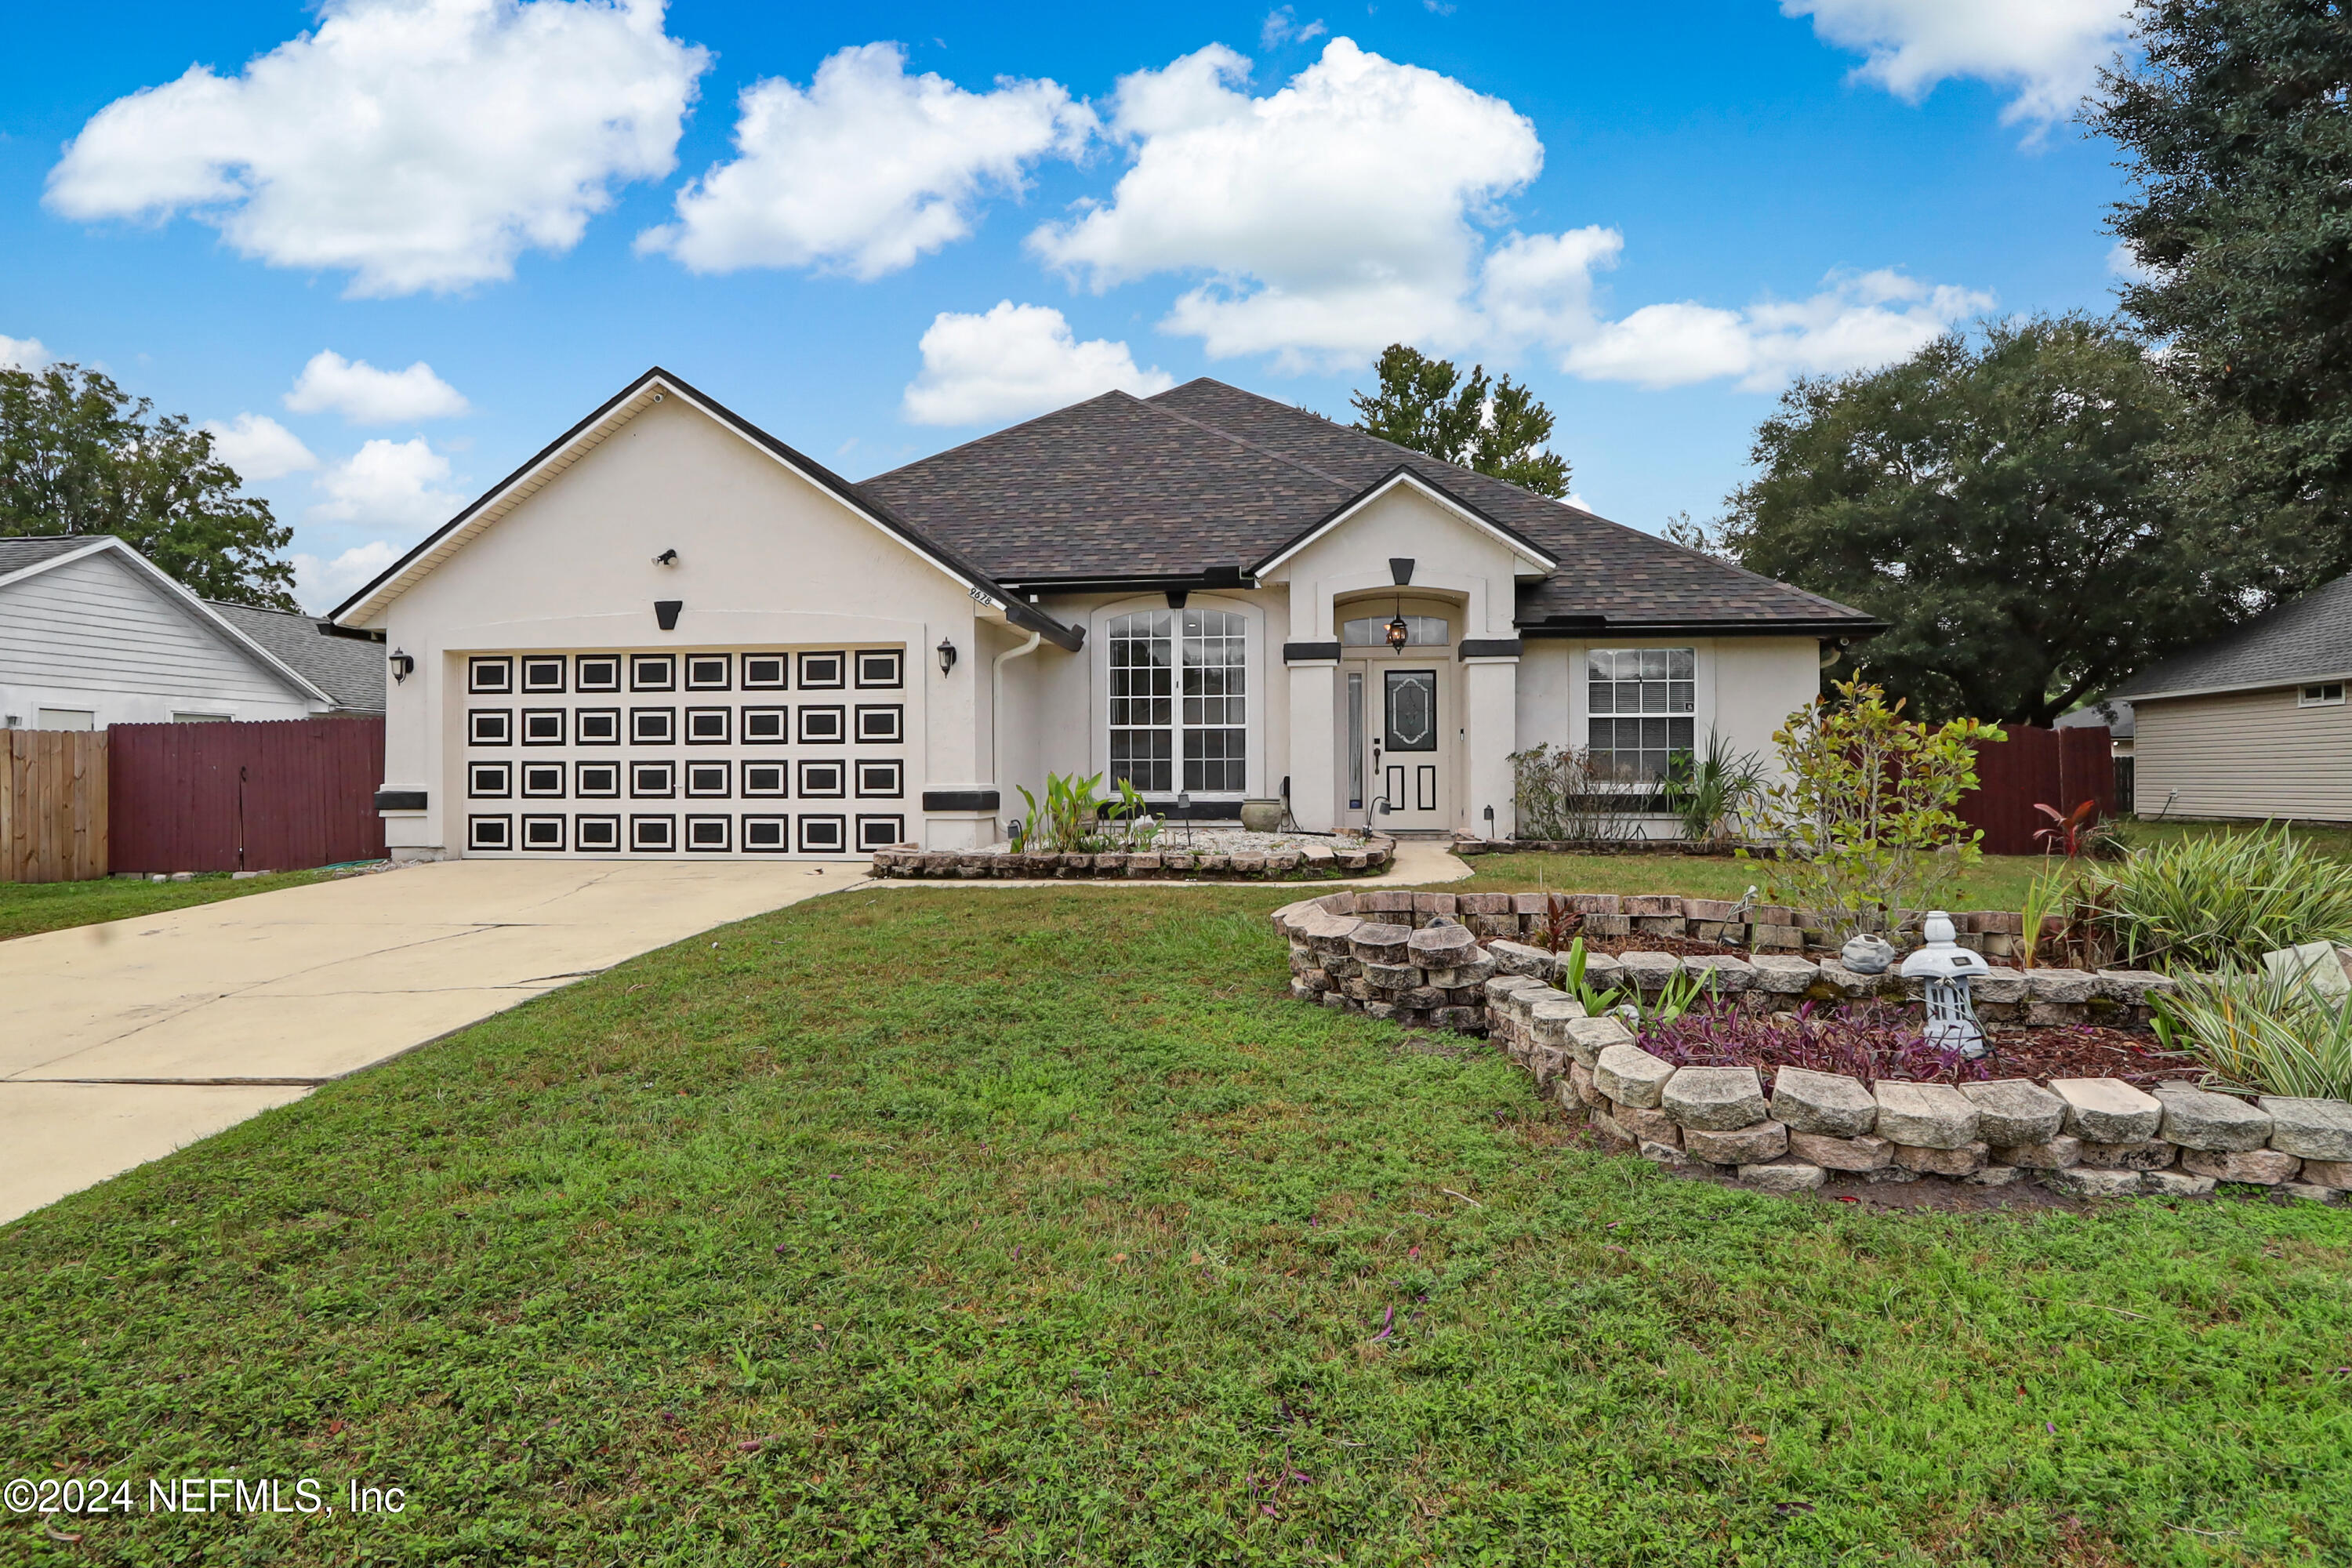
pixel 1947 967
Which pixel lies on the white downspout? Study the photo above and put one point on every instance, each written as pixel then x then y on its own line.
pixel 996 706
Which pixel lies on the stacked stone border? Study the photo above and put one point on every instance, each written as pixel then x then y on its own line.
pixel 1339 858
pixel 1390 955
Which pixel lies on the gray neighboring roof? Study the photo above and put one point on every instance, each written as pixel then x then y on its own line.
pixel 2116 716
pixel 2295 641
pixel 17 553
pixel 1208 477
pixel 348 669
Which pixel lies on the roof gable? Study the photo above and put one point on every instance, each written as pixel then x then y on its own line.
pixel 1404 478
pixel 654 386
pixel 18 565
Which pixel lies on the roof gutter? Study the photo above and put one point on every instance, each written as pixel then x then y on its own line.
pixel 1609 625
pixel 1207 580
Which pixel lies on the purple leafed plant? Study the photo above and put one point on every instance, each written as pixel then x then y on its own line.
pixel 1868 1041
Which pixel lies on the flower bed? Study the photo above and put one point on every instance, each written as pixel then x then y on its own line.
pixel 1171 862
pixel 2085 1136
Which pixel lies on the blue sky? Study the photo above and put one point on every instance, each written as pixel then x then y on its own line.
pixel 392 247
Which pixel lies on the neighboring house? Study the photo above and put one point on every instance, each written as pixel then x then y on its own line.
pixel 2252 724
pixel 92 633
pixel 671 633
pixel 347 666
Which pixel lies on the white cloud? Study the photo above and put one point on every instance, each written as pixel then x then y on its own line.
pixel 419 144
pixel 1855 322
pixel 22 353
pixel 1016 360
pixel 867 169
pixel 259 447
pixel 320 584
pixel 1354 207
pixel 1282 27
pixel 387 485
pixel 2048 51
pixel 1332 216
pixel 366 396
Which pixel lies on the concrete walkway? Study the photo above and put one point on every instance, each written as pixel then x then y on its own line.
pixel 123 1041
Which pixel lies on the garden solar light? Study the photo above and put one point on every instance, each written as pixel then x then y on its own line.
pixel 1946 967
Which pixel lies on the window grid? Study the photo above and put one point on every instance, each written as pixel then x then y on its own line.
pixel 1179 690
pixel 1641 704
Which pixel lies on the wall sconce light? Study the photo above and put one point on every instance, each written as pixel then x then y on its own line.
pixel 403 665
pixel 666 558
pixel 947 652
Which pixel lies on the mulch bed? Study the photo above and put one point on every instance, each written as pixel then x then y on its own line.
pixel 2087 1050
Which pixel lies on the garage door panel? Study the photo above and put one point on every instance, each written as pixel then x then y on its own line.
pixel 630 752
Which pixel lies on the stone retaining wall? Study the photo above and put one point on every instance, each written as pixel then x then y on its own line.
pixel 1767 927
pixel 1339 858
pixel 2086 1137
pixel 1779 980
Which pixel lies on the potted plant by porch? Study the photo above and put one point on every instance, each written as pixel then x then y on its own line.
pixel 1262 815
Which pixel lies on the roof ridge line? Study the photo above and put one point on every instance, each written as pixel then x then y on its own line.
pixel 1240 440
pixel 1404 453
pixel 1002 430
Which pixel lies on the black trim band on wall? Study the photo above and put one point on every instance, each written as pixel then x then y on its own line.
pixel 960 800
pixel 400 800
pixel 1309 652
pixel 1491 648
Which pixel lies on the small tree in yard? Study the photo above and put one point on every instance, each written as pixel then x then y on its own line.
pixel 1863 811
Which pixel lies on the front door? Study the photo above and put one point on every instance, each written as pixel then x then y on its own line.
pixel 1407 765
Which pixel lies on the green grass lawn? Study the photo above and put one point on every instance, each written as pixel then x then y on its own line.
pixel 30 907
pixel 992 1226
pixel 2140 832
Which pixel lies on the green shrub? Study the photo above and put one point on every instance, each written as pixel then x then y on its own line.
pixel 2261 1033
pixel 2225 900
pixel 1863 812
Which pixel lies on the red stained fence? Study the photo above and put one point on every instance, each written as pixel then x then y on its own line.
pixel 276 796
pixel 2062 768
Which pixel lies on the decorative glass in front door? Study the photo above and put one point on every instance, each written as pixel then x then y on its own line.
pixel 1411 709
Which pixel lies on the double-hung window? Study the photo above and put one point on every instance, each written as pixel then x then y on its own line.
pixel 1642 701
pixel 1179 696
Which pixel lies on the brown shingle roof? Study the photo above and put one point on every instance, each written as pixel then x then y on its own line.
pixel 1208 476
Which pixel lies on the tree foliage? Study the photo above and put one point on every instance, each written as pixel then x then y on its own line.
pixel 2002 503
pixel 1863 809
pixel 1495 426
pixel 79 455
pixel 2236 121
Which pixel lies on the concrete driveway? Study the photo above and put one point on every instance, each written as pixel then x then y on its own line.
pixel 121 1042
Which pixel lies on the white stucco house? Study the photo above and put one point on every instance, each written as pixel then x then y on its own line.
pixel 669 633
pixel 93 634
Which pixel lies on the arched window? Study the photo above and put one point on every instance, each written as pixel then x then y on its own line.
pixel 1179 697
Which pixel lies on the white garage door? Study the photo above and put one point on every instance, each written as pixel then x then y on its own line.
pixel 714 752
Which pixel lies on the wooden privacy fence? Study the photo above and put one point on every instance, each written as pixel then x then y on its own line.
pixel 53 820
pixel 2061 768
pixel 282 795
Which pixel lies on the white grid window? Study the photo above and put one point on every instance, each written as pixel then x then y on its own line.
pixel 1179 692
pixel 1642 701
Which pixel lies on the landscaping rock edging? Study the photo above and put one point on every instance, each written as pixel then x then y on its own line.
pixel 1366 952
pixel 1371 855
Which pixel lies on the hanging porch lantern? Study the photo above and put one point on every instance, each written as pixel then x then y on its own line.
pixel 1946 967
pixel 1399 633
